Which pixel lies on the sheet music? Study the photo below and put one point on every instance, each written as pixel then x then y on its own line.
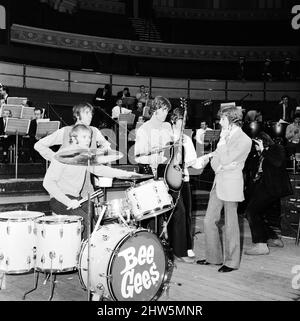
pixel 17 100
pixel 46 128
pixel 27 113
pixel 17 125
pixel 211 135
pixel 16 110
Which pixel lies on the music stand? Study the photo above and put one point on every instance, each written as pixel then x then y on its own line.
pixel 27 112
pixel 45 128
pixel 129 118
pixel 212 136
pixel 15 126
pixel 17 100
pixel 16 110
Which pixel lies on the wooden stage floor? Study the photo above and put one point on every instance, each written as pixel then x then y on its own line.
pixel 260 278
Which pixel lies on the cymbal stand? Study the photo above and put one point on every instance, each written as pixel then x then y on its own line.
pixel 89 228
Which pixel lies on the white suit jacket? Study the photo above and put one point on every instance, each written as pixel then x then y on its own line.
pixel 230 183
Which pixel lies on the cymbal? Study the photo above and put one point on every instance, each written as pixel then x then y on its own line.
pixel 81 156
pixel 135 177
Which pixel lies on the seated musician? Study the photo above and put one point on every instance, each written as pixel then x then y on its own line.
pixel 293 136
pixel 6 141
pixel 4 93
pixel 65 182
pixel 201 132
pixel 118 109
pixel 38 113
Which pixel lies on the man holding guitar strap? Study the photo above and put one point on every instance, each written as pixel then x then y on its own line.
pixel 190 159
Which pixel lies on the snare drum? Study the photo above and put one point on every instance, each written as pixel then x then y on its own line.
pixel 116 208
pixel 58 242
pixel 126 264
pixel 149 198
pixel 17 241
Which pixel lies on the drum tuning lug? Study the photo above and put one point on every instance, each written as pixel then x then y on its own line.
pixel 61 259
pixel 42 259
pixel 43 232
pixel 79 230
pixel 100 286
pixel 34 230
pixel 105 276
pixel 29 229
pixel 7 261
pixel 1 256
pixel 7 230
pixel 28 260
pixel 61 233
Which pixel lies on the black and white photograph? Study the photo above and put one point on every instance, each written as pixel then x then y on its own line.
pixel 149 154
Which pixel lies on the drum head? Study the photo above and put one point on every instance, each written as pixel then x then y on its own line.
pixel 57 219
pixel 139 268
pixel 20 215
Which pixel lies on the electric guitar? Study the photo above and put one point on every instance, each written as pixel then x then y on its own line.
pixel 173 174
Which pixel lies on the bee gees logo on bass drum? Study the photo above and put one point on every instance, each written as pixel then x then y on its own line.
pixel 140 271
pixel 126 263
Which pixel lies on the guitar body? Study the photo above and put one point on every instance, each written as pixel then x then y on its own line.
pixel 174 170
pixel 173 175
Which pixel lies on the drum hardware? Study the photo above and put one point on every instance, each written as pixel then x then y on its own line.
pixel 104 276
pixel 8 230
pixel 61 233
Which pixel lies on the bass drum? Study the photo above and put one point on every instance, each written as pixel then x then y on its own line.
pixel 126 263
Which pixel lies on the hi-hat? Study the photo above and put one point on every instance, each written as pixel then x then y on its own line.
pixel 82 156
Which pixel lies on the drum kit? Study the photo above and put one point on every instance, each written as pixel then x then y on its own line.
pixel 118 261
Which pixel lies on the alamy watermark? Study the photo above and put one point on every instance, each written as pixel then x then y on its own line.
pixel 296 18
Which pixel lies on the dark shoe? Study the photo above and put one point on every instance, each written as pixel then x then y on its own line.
pixel 204 262
pixel 225 268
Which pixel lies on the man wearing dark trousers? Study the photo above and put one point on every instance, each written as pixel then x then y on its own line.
pixel 272 183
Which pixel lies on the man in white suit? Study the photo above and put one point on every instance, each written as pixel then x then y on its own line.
pixel 227 162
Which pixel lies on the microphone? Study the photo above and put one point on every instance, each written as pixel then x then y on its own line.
pixel 281 102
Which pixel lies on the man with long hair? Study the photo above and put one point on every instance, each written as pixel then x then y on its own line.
pixel 227 162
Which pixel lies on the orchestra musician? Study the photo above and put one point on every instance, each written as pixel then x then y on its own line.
pixel 38 114
pixel 6 141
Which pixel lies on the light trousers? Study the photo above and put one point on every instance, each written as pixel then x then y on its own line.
pixel 220 249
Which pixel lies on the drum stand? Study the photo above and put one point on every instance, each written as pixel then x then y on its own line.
pixel 48 275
